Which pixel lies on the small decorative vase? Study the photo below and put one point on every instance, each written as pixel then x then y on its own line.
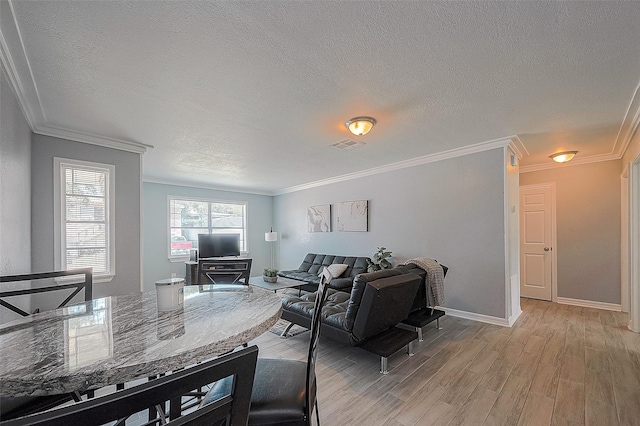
pixel 269 279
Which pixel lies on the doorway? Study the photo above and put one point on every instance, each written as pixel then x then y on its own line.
pixel 537 242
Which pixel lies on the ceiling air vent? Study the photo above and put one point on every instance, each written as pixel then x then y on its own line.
pixel 347 144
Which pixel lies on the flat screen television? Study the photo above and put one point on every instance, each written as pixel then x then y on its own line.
pixel 218 245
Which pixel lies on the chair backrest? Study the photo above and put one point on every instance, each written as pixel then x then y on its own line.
pixel 321 297
pixel 86 284
pixel 232 409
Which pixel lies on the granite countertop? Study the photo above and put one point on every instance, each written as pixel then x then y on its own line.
pixel 117 339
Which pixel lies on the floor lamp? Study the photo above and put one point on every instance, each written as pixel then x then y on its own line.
pixel 271 237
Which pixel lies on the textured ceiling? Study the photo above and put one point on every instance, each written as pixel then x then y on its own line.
pixel 250 95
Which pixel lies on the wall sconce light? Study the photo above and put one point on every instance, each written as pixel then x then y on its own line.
pixel 271 237
pixel 563 157
pixel 360 125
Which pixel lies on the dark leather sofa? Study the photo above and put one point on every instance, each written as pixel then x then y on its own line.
pixel 313 264
pixel 367 315
pixel 374 305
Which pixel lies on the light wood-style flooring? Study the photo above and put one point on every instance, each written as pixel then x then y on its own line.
pixel 558 365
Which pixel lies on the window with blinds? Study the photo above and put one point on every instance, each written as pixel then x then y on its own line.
pixel 86 200
pixel 189 217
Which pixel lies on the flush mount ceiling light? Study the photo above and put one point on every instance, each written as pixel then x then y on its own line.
pixel 563 157
pixel 360 125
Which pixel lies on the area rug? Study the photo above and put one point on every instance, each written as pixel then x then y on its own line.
pixel 279 327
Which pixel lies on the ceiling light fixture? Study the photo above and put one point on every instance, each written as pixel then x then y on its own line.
pixel 360 125
pixel 563 157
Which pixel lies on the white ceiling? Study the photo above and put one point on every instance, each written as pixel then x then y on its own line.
pixel 250 95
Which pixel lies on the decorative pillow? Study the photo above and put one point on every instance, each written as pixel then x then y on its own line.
pixel 336 269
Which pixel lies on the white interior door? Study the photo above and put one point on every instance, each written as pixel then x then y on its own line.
pixel 536 236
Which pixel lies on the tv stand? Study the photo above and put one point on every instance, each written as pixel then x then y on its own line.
pixel 221 271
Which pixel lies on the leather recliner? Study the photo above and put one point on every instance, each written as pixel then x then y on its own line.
pixel 376 303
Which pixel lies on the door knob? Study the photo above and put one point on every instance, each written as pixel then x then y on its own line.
pixel 547 249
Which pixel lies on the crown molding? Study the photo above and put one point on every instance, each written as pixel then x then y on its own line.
pixel 15 64
pixel 629 125
pixel 204 186
pixel 431 158
pixel 517 146
pixel 628 130
pixel 575 162
pixel 626 133
pixel 74 135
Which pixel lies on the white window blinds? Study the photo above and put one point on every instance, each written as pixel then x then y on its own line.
pixel 85 212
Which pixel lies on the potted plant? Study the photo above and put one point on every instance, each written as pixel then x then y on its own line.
pixel 379 260
pixel 270 275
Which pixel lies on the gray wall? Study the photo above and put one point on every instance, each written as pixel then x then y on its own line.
pixel 127 208
pixel 156 224
pixel 451 210
pixel 15 190
pixel 588 229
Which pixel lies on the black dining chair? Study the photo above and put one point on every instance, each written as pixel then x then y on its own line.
pixel 231 408
pixel 11 298
pixel 285 391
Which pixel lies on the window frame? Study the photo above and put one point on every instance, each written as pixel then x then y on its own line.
pixel 59 194
pixel 245 226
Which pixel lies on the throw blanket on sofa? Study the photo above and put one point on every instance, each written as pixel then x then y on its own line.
pixel 435 279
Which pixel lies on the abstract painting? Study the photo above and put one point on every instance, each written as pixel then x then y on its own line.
pixel 353 216
pixel 319 218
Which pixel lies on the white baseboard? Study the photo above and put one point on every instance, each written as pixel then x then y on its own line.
pixel 479 317
pixel 590 304
pixel 515 316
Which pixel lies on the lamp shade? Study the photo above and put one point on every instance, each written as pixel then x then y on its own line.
pixel 271 236
pixel 563 157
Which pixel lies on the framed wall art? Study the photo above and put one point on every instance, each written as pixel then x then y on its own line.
pixel 319 218
pixel 353 216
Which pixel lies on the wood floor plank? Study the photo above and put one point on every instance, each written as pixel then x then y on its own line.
pixel 476 408
pixel 459 391
pixel 537 411
pixel 418 405
pixel 545 380
pixel 520 335
pixel 595 339
pixel 535 344
pixel 483 361
pixel 573 368
pixel 526 365
pixel 422 376
pixel 598 413
pixel 598 379
pixel 570 400
pixel 588 364
pixel 440 414
pixel 511 399
pixel 553 350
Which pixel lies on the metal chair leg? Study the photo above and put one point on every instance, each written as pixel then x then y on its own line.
pixel 419 330
pixel 410 351
pixel 286 330
pixel 438 324
pixel 383 365
pixel 317 413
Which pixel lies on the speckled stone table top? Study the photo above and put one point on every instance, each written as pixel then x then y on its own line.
pixel 117 339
